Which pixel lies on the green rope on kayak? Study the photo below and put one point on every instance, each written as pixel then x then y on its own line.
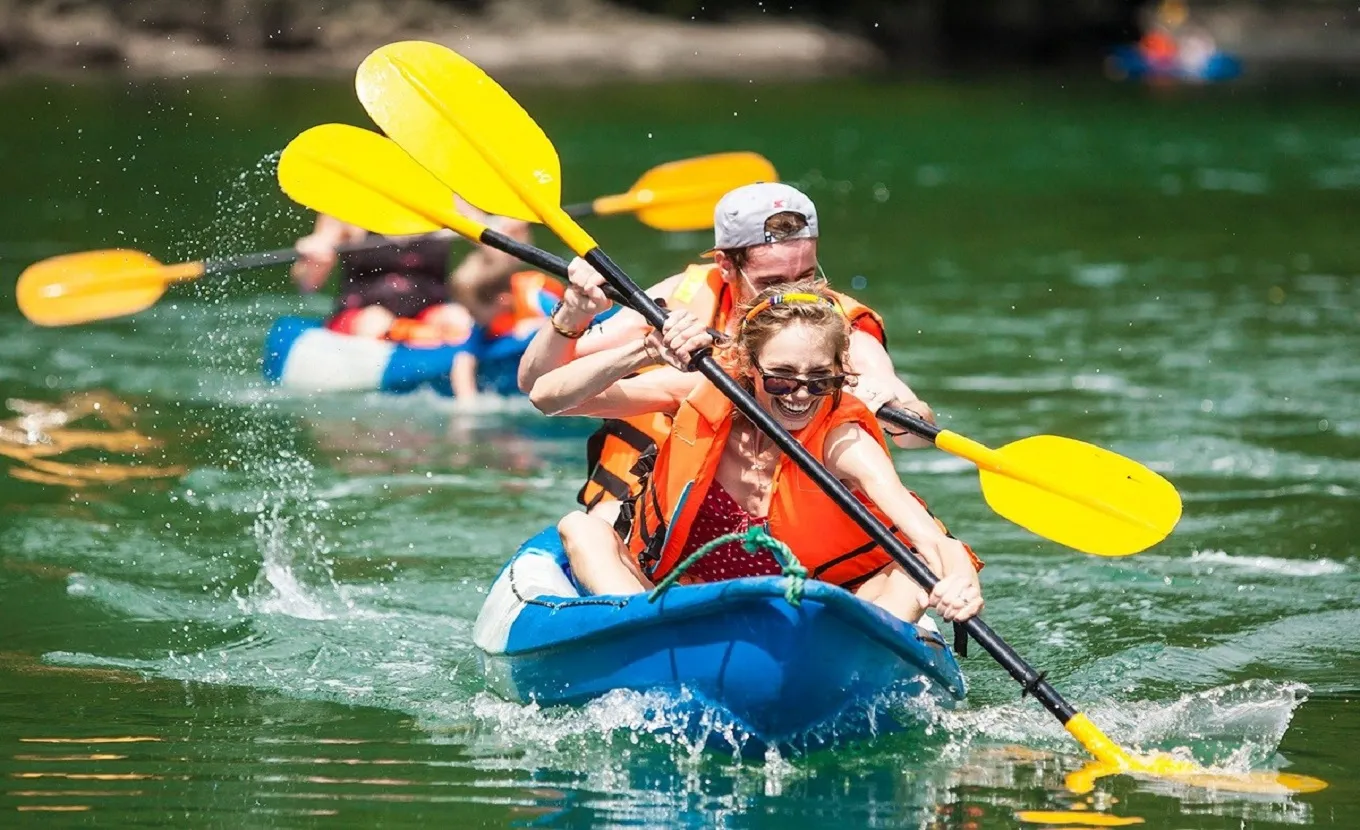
pixel 754 539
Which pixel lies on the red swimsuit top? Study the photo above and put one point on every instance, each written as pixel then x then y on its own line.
pixel 719 515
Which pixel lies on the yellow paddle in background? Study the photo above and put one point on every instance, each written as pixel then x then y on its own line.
pixel 365 179
pixel 458 123
pixel 100 285
pixel 96 285
pixel 681 195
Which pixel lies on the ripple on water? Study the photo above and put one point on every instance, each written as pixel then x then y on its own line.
pixel 1268 564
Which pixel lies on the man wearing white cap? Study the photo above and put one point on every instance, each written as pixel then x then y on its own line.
pixel 764 234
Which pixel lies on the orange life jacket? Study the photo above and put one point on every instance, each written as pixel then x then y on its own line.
pixel 530 292
pixel 612 453
pixel 824 539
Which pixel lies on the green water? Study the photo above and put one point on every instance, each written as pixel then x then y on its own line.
pixel 278 613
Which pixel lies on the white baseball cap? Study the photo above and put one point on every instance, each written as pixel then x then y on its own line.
pixel 739 217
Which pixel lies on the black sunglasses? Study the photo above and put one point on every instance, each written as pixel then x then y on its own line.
pixel 781 385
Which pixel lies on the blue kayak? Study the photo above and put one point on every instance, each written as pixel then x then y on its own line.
pixel 1130 63
pixel 301 353
pixel 784 675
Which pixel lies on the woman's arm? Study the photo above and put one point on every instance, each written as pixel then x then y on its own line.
pixel 563 390
pixel 855 456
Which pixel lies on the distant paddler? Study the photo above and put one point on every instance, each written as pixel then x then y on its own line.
pixel 403 292
pixel 765 234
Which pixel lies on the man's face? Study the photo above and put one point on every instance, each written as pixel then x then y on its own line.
pixel 769 265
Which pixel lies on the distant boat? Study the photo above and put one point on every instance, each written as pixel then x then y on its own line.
pixel 1135 63
pixel 1173 49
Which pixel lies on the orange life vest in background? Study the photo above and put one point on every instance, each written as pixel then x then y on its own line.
pixel 824 539
pixel 612 453
pixel 532 296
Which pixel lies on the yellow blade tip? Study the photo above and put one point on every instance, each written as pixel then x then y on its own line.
pixel 1085 819
pixel 1191 774
pixel 1114 760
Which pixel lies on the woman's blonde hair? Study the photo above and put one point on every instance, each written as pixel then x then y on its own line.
pixel 806 301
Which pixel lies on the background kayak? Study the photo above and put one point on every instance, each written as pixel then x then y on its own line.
pixel 300 353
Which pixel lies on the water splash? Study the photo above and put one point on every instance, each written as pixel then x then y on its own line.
pixel 295 576
pixel 292 562
pixel 1235 728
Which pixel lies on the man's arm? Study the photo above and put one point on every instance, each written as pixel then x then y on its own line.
pixel 875 368
pixel 583 300
pixel 549 350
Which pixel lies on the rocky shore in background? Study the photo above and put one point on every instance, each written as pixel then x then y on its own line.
pixel 1315 35
pixel 551 40
pixel 587 40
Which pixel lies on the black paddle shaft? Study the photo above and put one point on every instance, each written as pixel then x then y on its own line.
pixel 1032 682
pixel 230 264
pixel 283 256
pixel 539 258
pixel 580 210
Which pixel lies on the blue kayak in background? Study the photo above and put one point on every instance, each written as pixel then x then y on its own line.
pixel 736 652
pixel 301 353
pixel 1130 63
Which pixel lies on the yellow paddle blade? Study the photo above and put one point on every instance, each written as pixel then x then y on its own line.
pixel 1111 759
pixel 1194 776
pixel 1083 817
pixel 95 285
pixel 681 195
pixel 1074 493
pixel 420 93
pixel 364 179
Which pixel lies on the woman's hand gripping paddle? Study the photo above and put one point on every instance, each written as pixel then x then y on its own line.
pixel 681 195
pixel 458 122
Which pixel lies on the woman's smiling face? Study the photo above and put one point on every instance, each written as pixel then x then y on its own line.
pixel 801 351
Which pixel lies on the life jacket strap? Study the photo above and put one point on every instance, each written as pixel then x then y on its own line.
pixel 603 478
pixel 867 547
pixel 653 542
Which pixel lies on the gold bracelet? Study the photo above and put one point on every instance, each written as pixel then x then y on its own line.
pixel 565 332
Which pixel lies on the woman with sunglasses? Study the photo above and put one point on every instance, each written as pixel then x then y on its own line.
pixel 717 473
